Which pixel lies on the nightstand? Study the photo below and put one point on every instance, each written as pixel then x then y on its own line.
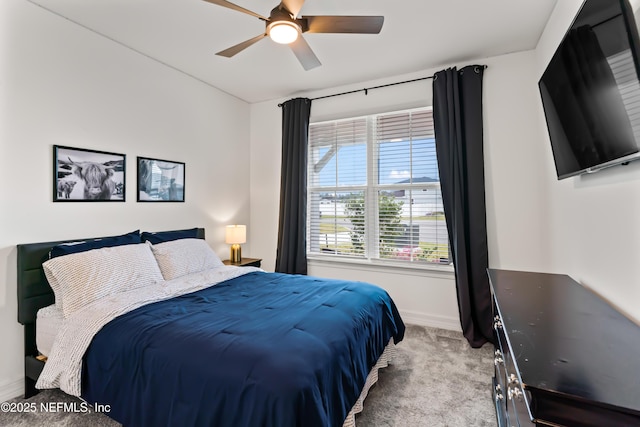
pixel 245 262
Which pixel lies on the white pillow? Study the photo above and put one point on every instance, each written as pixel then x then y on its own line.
pixel 84 277
pixel 184 256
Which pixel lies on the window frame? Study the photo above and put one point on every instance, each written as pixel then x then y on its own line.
pixel 371 190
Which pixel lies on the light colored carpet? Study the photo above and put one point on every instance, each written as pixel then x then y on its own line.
pixel 436 380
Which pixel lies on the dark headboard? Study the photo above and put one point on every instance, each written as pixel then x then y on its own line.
pixel 34 291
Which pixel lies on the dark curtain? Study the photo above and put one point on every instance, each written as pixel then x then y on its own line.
pixel 457 116
pixel 292 224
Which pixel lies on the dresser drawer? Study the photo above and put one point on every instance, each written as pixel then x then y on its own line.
pixel 515 398
pixel 499 401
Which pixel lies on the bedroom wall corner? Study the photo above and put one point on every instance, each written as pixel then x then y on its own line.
pixel 593 229
pixel 265 158
pixel 61 84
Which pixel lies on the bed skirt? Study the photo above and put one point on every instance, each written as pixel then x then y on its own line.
pixel 383 361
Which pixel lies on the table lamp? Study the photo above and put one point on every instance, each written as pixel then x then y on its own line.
pixel 235 235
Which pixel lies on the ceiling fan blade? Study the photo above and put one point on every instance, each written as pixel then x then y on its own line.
pixel 344 24
pixel 305 55
pixel 230 5
pixel 293 6
pixel 240 46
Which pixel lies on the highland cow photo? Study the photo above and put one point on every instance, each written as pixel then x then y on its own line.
pixel 82 175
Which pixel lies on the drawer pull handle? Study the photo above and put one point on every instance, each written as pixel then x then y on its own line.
pixel 514 392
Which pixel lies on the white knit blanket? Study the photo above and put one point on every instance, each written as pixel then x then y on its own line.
pixel 64 365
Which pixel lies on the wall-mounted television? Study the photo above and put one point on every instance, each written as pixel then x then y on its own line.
pixel 591 90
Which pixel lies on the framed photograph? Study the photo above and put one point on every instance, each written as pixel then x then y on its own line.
pixel 160 180
pixel 82 175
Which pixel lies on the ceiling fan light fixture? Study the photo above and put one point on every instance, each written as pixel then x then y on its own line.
pixel 283 32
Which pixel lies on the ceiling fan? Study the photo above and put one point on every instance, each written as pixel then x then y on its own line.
pixel 284 26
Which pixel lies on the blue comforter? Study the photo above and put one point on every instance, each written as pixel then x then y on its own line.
pixel 263 349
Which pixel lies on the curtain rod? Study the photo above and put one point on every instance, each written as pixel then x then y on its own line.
pixel 366 90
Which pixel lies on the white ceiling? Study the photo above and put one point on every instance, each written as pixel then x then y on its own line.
pixel 416 35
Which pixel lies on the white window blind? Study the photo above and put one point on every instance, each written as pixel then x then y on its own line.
pixel 374 189
pixel 337 187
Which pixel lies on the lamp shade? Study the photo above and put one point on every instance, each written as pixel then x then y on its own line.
pixel 236 234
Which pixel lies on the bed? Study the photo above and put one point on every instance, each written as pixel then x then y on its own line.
pixel 224 346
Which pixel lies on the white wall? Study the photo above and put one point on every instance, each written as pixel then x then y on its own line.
pixel 515 165
pixel 516 203
pixel 61 84
pixel 594 227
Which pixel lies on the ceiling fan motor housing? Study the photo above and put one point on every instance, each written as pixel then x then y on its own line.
pixel 280 14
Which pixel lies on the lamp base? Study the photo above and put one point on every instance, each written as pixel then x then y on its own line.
pixel 236 254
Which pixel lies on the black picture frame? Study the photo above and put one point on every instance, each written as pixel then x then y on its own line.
pixel 160 180
pixel 83 175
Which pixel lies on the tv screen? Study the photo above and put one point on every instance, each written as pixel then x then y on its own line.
pixel 590 90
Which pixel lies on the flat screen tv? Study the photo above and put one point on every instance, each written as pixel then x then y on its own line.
pixel 590 90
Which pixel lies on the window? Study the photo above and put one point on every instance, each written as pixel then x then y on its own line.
pixel 374 189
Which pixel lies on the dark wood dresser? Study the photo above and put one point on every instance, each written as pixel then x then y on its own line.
pixel 564 356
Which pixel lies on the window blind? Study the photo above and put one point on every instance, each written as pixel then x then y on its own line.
pixel 374 189
pixel 337 184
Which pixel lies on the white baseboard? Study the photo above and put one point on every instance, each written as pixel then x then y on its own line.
pixel 10 390
pixel 432 320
